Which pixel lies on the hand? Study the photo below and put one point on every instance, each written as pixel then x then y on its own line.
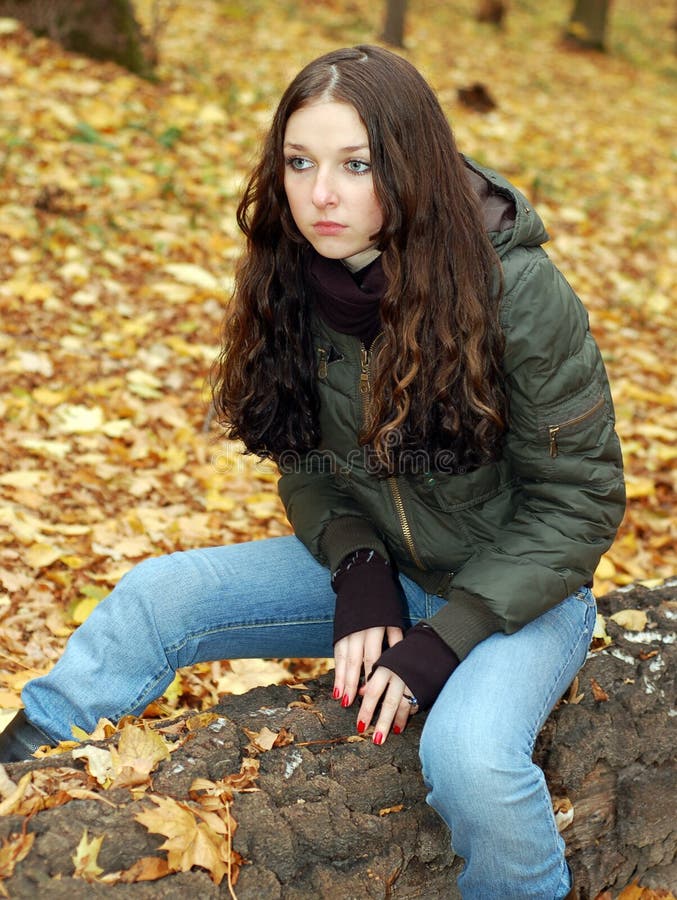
pixel 356 652
pixel 395 707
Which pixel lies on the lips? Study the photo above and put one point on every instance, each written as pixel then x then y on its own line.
pixel 328 229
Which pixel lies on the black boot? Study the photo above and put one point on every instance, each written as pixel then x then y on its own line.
pixel 20 739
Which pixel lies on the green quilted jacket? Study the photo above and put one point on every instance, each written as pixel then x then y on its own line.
pixel 509 540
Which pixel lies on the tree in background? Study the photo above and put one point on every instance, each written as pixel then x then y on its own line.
pixel 491 11
pixel 102 29
pixel 393 29
pixel 587 24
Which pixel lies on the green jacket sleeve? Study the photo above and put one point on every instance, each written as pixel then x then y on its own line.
pixel 324 518
pixel 565 457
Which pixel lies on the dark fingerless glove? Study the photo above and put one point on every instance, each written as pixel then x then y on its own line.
pixel 367 594
pixel 423 661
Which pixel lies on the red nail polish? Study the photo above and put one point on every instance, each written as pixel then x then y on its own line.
pixel 346 700
pixel 360 727
pixel 336 694
pixel 397 729
pixel 378 738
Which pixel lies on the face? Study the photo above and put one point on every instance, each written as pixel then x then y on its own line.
pixel 328 179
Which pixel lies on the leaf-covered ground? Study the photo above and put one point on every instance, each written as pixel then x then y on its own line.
pixel 117 243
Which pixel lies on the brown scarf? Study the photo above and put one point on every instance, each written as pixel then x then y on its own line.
pixel 348 302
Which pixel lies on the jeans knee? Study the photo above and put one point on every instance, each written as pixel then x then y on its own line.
pixel 467 761
pixel 143 596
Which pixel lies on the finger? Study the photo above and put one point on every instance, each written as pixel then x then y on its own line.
pixel 371 695
pixel 391 705
pixel 402 716
pixel 340 654
pixel 353 667
pixel 394 635
pixel 373 648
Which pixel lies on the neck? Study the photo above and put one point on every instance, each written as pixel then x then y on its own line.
pixel 360 260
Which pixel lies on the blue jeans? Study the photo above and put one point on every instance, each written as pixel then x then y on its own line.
pixel 270 598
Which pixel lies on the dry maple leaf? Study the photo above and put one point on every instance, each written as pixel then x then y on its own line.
pixel 85 858
pixel 139 750
pixel 189 842
pixel 130 764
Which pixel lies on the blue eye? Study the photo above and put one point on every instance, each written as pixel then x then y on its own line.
pixel 298 163
pixel 358 166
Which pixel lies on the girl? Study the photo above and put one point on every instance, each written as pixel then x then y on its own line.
pixel 402 347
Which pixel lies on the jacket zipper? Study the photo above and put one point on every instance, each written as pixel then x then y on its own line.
pixel 404 523
pixel 553 430
pixel 365 396
pixel 365 387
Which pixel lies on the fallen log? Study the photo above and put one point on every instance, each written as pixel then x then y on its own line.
pixel 333 815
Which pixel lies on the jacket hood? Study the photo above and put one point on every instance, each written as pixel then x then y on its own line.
pixel 509 218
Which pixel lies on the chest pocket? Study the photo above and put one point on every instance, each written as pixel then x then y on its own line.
pixel 326 356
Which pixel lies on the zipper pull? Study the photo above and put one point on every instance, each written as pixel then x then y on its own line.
pixel 553 431
pixel 364 370
pixel 322 367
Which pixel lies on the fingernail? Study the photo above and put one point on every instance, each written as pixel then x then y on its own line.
pixel 346 700
pixel 397 729
pixel 378 738
pixel 360 727
pixel 336 694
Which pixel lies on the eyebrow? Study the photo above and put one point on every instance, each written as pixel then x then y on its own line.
pixel 353 149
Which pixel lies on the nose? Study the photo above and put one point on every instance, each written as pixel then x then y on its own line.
pixel 324 190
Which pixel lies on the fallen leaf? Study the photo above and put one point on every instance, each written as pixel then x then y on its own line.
pixel 85 858
pixel 189 842
pixel 138 752
pixel 387 810
pixel 598 691
pixel 13 850
pixel 630 619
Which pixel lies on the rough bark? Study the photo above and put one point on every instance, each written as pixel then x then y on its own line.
pixel 102 29
pixel 339 818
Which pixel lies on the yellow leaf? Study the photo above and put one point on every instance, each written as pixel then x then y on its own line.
pixel 98 762
pixel 139 750
pixel 605 569
pixel 71 418
pixel 636 487
pixel 41 555
pixel 24 478
pixel 600 638
pixel 630 619
pixel 48 397
pixel 189 842
pixel 188 273
pixel 85 858
pixel 83 609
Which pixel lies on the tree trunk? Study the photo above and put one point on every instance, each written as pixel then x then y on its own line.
pixel 587 25
pixel 393 29
pixel 492 12
pixel 101 29
pixel 335 816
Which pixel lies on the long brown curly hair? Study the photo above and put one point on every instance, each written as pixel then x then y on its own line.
pixel 437 372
